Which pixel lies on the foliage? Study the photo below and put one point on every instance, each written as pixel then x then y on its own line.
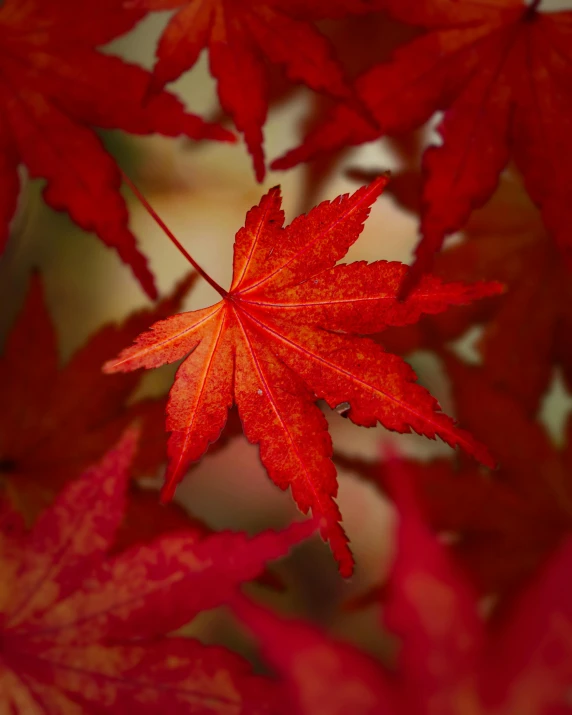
pixel 449 660
pixel 277 341
pixel 81 631
pixel 100 573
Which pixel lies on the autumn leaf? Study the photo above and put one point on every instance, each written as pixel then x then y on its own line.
pixel 359 41
pixel 82 632
pixel 289 332
pixel 56 420
pixel 506 241
pixel 242 37
pixel 57 86
pixel 502 75
pixel 526 663
pixel 450 660
pixel 525 508
pixel 534 316
pixel 319 674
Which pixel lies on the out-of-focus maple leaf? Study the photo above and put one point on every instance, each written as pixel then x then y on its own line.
pixel 56 86
pixel 56 420
pixel 359 41
pixel 515 516
pixel 503 523
pixel 319 674
pixel 85 633
pixel 289 332
pixel 502 74
pixel 507 242
pixel 242 37
pixel 450 660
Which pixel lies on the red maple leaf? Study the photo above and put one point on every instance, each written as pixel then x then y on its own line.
pixel 55 86
pixel 358 41
pixel 506 241
pixel 502 74
pixel 510 519
pixel 289 332
pixel 242 37
pixel 56 420
pixel 82 632
pixel 450 659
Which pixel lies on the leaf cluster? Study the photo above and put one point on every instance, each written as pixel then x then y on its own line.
pixel 103 577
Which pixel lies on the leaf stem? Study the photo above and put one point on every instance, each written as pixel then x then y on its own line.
pixel 159 221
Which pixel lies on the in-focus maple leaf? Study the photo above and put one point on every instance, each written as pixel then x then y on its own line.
pixel 84 633
pixel 56 420
pixel 450 660
pixel 242 37
pixel 502 74
pixel 55 86
pixel 289 332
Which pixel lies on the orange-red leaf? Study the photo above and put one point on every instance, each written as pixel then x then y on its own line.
pixel 288 334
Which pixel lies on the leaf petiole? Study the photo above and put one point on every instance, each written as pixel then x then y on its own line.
pixel 159 221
